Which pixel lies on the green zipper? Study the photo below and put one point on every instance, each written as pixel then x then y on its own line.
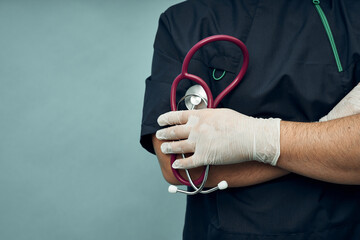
pixel 329 34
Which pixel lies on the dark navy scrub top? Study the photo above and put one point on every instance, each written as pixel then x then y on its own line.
pixel 292 75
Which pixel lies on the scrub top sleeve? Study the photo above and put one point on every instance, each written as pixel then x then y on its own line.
pixel 165 67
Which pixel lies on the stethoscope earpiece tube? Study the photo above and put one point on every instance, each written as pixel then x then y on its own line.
pixel 210 104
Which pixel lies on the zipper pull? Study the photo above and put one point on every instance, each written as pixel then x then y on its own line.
pixel 316 2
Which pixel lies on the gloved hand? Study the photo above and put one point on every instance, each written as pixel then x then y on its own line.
pixel 219 137
pixel 348 106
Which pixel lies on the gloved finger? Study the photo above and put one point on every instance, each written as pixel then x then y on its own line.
pixel 173 117
pixel 349 105
pixel 324 119
pixel 174 133
pixel 178 147
pixel 185 163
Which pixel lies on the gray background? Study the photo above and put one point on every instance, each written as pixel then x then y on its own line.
pixel 71 90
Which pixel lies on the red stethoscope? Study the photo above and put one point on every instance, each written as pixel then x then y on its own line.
pixel 210 104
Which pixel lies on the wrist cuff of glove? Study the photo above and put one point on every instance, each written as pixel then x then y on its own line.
pixel 267 141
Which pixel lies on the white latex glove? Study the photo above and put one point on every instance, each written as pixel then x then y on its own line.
pixel 348 106
pixel 219 137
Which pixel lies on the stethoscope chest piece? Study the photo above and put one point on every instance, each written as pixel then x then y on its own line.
pixel 195 98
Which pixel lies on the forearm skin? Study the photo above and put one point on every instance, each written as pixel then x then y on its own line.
pixel 327 151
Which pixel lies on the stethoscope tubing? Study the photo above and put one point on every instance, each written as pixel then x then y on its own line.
pixel 211 103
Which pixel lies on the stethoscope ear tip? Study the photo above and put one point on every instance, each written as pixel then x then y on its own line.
pixel 172 189
pixel 223 185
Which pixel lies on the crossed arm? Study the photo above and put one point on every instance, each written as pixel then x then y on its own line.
pixel 237 175
pixel 327 151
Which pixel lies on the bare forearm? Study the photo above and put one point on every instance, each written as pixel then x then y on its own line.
pixel 237 175
pixel 328 151
pixel 244 174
